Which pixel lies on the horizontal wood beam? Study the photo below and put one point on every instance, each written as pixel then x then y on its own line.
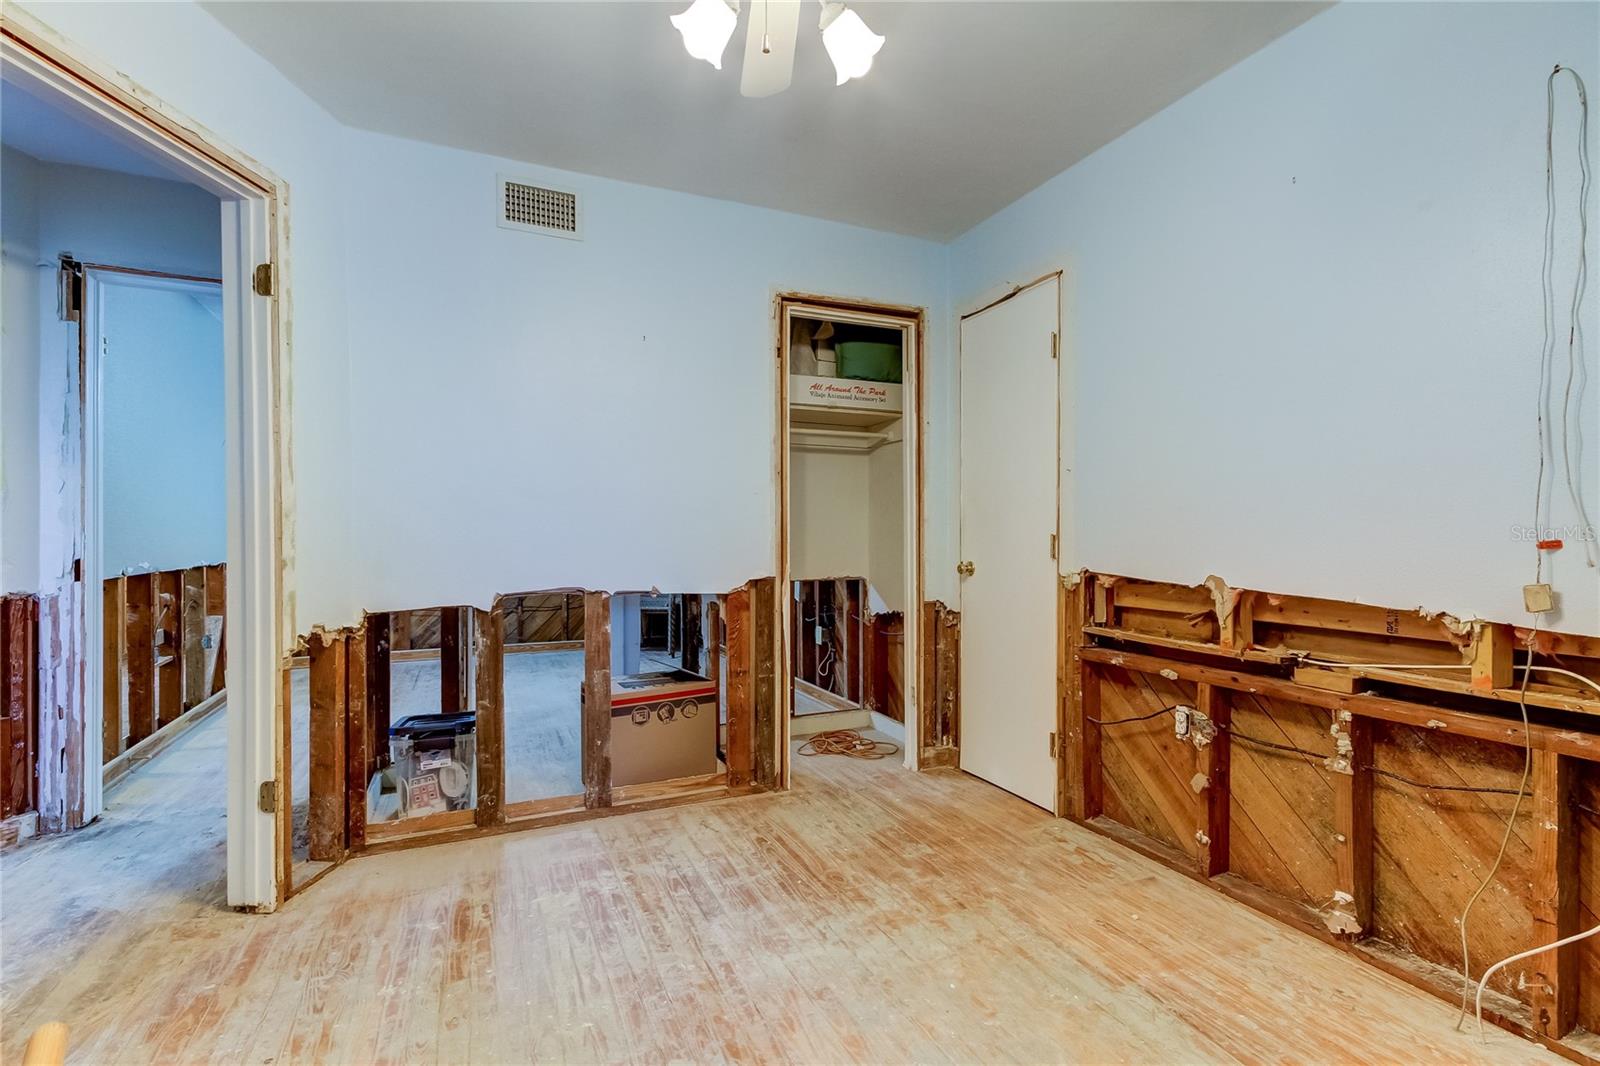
pixel 1459 723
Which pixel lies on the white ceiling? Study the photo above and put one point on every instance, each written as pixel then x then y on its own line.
pixel 968 106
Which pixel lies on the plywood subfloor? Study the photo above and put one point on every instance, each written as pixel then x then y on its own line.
pixel 871 915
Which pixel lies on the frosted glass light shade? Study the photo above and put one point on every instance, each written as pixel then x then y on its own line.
pixel 706 28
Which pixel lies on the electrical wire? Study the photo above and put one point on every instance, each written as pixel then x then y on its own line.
pixel 1125 721
pixel 1546 358
pixel 1573 674
pixel 848 742
pixel 1505 839
pixel 1424 785
pixel 1580 282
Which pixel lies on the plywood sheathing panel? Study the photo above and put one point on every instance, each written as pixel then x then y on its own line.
pixel 1586 830
pixel 1148 771
pixel 1433 848
pixel 1282 801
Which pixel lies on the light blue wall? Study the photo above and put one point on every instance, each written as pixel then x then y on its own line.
pixel 162 428
pixel 1303 314
pixel 19 373
pixel 103 217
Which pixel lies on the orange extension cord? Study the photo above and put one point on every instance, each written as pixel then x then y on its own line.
pixel 847 742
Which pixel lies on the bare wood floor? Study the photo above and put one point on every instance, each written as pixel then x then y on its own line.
pixel 871 915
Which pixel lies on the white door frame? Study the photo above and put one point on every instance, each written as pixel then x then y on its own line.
pixel 254 229
pixel 911 322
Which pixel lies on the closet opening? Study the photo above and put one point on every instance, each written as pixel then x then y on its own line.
pixel 851 462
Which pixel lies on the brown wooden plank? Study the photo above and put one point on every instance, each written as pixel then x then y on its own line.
pixel 329 681
pixel 192 635
pixel 596 724
pixel 690 638
pixel 357 738
pixel 139 655
pixel 1352 827
pixel 489 691
pixel 1432 849
pixel 452 662
pixel 217 607
pixel 713 645
pixel 928 678
pixel 853 620
pixel 112 619
pixel 1148 770
pixel 1212 763
pixel 764 682
pixel 169 660
pixel 378 691
pixel 741 701
pixel 1389 709
pixel 19 675
pixel 1281 825
pixel 949 677
pixel 399 630
pixel 1554 974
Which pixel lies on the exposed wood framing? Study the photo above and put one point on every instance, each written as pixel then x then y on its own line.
pixel 358 737
pixel 139 657
pixel 169 653
pixel 1211 781
pixel 19 673
pixel 1351 914
pixel 740 754
pixel 1554 982
pixel 488 689
pixel 162 636
pixel 329 714
pixel 378 691
pixel 1362 804
pixel 112 656
pixel 764 666
pixel 939 702
pixel 452 661
pixel 596 725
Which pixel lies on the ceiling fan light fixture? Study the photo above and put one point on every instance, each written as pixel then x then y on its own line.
pixel 850 44
pixel 706 27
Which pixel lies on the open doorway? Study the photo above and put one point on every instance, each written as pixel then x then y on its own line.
pixel 850 494
pixel 141 552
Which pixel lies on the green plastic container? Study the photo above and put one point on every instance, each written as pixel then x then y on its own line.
pixel 869 361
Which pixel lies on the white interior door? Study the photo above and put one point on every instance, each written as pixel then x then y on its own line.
pixel 1010 411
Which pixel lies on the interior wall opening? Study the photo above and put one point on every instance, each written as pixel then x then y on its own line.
pixel 851 557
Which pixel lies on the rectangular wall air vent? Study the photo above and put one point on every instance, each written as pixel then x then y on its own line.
pixel 540 209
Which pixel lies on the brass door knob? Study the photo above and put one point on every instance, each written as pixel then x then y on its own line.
pixel 965 569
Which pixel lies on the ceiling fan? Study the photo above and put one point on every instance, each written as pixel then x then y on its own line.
pixel 770 39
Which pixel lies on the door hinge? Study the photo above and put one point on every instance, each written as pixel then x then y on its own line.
pixel 1052 545
pixel 1055 345
pixel 263 280
pixel 1053 745
pixel 267 797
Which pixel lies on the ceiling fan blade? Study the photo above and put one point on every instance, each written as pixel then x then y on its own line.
pixel 777 23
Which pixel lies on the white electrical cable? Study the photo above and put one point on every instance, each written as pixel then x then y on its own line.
pixel 1574 360
pixel 1483 983
pixel 1580 281
pixel 1591 682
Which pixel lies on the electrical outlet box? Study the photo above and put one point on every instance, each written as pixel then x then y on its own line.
pixel 1538 599
pixel 1180 721
pixel 818 635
